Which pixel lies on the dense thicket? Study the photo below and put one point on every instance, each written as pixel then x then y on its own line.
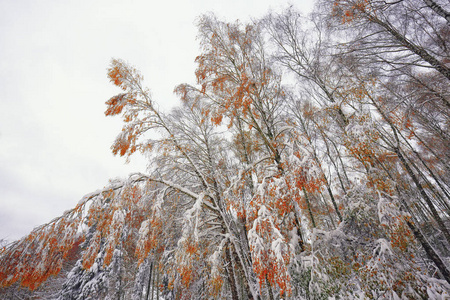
pixel 309 161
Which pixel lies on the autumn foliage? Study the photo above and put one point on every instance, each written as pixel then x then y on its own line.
pixel 308 161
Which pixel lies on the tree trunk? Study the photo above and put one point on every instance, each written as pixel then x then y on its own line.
pixel 230 272
pixel 430 251
pixel 438 9
pixel 269 289
pixel 421 52
pixel 309 208
pixel 427 199
pixel 149 281
pixel 157 284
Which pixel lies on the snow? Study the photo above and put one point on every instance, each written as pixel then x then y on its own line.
pixel 118 217
pixel 144 229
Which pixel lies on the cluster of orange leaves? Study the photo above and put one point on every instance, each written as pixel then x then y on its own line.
pixel 116 104
pixel 400 235
pixel 349 10
pixel 403 121
pixel 266 264
pixel 33 259
pixel 218 73
pixel 125 143
pixel 128 79
pixel 151 240
pixel 279 194
pixel 109 230
pixel 215 285
pixel 361 145
pixel 189 255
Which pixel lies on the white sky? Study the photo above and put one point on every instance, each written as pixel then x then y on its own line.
pixel 54 138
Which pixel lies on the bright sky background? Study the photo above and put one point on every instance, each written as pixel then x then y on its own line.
pixel 54 138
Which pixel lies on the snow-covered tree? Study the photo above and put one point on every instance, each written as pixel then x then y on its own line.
pixel 308 161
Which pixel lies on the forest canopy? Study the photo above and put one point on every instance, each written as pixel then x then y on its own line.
pixel 309 160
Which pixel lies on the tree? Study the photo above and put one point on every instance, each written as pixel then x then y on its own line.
pixel 308 161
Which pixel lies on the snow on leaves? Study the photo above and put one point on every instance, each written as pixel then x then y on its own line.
pixel 318 190
pixel 270 251
pixel 39 255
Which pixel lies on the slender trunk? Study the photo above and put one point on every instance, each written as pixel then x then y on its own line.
pixel 153 283
pixel 421 52
pixel 433 175
pixel 430 251
pixel 149 280
pixel 441 159
pixel 438 9
pixel 269 289
pixel 299 233
pixel 328 188
pixel 323 173
pixel 336 208
pixel 336 167
pixel 430 204
pixel 434 92
pixel 325 205
pixel 441 201
pixel 247 268
pixel 410 172
pixel 309 208
pixel 422 240
pixel 121 292
pixel 230 273
pixel 157 284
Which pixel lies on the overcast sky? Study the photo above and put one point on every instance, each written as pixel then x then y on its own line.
pixel 54 138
